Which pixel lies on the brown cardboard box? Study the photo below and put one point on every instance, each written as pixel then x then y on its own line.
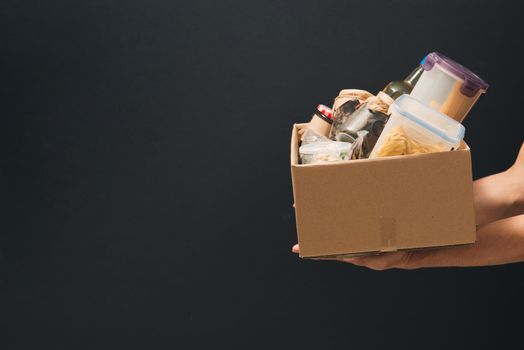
pixel 368 206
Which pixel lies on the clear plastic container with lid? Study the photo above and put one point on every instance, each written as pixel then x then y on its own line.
pixel 325 152
pixel 415 128
pixel 448 87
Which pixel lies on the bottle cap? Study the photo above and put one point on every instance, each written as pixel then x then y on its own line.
pixel 325 110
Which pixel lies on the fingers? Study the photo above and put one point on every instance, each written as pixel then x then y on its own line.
pixel 380 262
pixel 296 249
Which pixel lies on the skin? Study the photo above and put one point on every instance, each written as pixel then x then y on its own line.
pixel 499 210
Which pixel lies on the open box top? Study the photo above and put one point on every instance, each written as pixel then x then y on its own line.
pixel 385 204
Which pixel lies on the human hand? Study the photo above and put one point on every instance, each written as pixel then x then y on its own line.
pixel 400 260
pixel 500 195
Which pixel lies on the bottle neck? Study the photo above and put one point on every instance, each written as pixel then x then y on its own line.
pixel 414 76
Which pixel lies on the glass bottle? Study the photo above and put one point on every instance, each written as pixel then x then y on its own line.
pixel 395 89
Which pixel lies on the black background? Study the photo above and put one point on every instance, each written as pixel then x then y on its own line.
pixel 145 171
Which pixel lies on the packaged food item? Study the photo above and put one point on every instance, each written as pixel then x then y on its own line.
pixel 358 144
pixel 319 126
pixel 355 95
pixel 416 128
pixel 369 116
pixel 341 115
pixel 448 87
pixel 345 104
pixel 325 151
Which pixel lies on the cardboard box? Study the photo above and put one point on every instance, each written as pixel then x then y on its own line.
pixel 369 206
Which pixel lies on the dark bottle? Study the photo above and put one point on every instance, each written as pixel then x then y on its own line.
pixel 395 89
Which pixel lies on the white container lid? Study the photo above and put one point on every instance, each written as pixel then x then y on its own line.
pixel 440 124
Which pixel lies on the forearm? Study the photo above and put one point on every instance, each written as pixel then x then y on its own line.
pixel 497 197
pixel 499 242
pixel 501 195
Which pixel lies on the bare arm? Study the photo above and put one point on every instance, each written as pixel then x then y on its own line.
pixel 501 195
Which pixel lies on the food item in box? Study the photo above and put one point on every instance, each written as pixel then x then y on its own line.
pixel 358 144
pixel 347 102
pixel 368 117
pixel 416 128
pixel 319 126
pixel 448 87
pixel 325 151
pixel 398 143
pixel 341 115
pixel 356 95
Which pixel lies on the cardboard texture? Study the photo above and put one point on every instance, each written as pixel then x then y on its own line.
pixel 376 205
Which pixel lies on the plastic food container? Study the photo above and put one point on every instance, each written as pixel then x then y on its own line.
pixel 415 128
pixel 448 87
pixel 325 151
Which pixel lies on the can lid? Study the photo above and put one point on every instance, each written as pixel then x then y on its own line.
pixel 472 83
pixel 325 110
